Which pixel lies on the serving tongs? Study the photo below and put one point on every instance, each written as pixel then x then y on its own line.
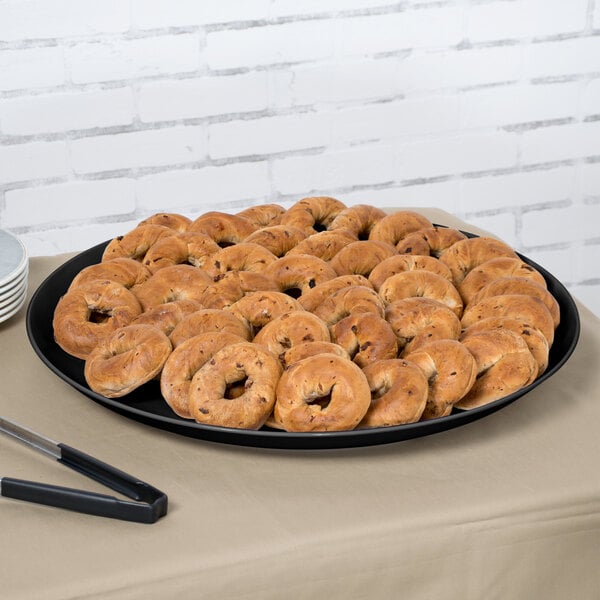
pixel 150 503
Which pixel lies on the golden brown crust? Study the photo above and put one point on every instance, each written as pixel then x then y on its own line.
pixel 135 243
pixel 126 359
pixel 278 239
pixel 325 244
pixel 529 309
pixel 463 256
pixel 520 285
pixel 208 320
pixel 91 312
pixel 495 268
pixel 183 363
pixel 298 273
pixel 322 393
pixel 249 367
pixel 310 299
pixel 223 228
pixel 396 226
pixel 535 340
pixel 347 301
pixel 313 214
pixel 306 349
pixel 245 256
pixel 504 365
pixel 431 241
pixel 126 271
pixel 359 219
pixel 406 262
pixel 179 282
pixel 174 221
pixel 290 329
pixel 263 215
pixel 192 248
pixel 417 321
pixel 258 308
pixel 421 284
pixel 366 337
pixel 399 393
pixel 167 316
pixel 450 370
pixel 361 257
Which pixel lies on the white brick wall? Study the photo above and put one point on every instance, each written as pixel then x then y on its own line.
pixel 487 109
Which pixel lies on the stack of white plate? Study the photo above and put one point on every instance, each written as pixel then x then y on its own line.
pixel 14 269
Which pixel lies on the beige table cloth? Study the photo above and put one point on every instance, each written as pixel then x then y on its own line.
pixel 507 507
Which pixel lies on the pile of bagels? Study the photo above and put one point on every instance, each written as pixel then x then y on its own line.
pixel 318 317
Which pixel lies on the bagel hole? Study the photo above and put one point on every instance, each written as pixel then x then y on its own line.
pixel 225 243
pixel 294 292
pixel 235 389
pixel 98 316
pixel 322 401
pixel 318 226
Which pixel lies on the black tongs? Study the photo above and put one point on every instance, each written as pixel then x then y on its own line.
pixel 150 503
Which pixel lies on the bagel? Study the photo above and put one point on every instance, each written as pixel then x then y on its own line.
pixel 91 312
pixel 298 273
pixel 244 256
pixel 325 244
pixel 126 359
pixel 504 365
pixel 277 239
pixel 179 282
pixel 450 370
pixel 497 268
pixel 347 301
pixel 535 340
pixel 135 243
pixel 167 316
pixel 463 256
pixel 520 285
pixel 208 320
pixel 322 393
pixel 396 226
pixel 417 321
pixel 258 308
pixel 366 337
pixel 361 257
pixel 263 215
pixel 290 329
pixel 359 219
pixel 175 221
pixel 191 248
pixel 310 299
pixel 253 370
pixel 528 308
pixel 313 214
pixel 305 349
pixel 399 393
pixel 421 284
pixel 125 271
pixel 406 262
pixel 223 228
pixel 431 241
pixel 183 363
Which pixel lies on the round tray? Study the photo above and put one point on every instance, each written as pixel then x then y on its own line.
pixel 146 404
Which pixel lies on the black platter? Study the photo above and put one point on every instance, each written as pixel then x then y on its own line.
pixel 146 405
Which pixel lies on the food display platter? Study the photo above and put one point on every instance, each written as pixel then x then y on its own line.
pixel 147 406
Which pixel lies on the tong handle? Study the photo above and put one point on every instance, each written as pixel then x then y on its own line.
pixel 78 500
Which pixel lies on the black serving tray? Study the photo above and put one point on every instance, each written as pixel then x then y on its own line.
pixel 147 406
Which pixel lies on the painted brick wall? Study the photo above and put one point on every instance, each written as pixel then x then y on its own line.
pixel 489 109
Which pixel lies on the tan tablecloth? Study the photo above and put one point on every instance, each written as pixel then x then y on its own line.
pixel 505 507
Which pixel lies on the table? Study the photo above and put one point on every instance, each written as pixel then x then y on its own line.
pixel 505 507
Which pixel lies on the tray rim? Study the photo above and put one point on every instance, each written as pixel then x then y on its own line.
pixel 271 438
